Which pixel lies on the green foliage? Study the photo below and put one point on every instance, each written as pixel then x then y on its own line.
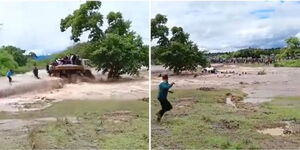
pixel 293 43
pixel 17 53
pixel 86 18
pixel 116 24
pixel 118 55
pixel 254 53
pixel 159 30
pixel 6 62
pixel 177 54
pixel 179 57
pixel 246 53
pixel 145 55
pixel 292 50
pixel 14 58
pixel 288 63
pixel 121 50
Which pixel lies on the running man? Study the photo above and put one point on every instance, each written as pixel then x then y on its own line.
pixel 162 97
pixel 9 73
pixel 36 72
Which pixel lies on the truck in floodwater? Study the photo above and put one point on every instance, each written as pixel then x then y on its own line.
pixel 82 69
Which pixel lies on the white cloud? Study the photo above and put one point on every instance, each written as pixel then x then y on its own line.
pixel 232 25
pixel 34 25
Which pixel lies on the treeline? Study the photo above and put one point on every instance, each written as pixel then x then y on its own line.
pixel 246 53
pixel 279 55
pixel 115 50
pixel 175 52
pixel 15 58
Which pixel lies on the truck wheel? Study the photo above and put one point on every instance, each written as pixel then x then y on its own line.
pixel 88 73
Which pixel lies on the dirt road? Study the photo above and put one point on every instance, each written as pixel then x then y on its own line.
pixel 260 88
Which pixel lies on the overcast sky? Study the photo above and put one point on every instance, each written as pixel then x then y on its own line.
pixel 35 26
pixel 225 26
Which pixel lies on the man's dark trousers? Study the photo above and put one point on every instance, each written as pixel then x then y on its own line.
pixel 165 106
pixel 9 79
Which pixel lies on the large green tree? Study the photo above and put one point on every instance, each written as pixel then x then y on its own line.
pixel 117 50
pixel 178 53
pixel 121 50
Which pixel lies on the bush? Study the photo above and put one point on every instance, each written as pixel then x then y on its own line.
pixel 288 63
pixel 6 62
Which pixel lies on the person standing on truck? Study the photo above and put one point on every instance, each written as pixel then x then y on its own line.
pixel 36 72
pixel 163 90
pixel 9 73
pixel 73 59
pixel 48 69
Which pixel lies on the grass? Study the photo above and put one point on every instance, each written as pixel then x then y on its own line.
pixel 93 125
pixel 284 108
pixel 209 124
pixel 288 63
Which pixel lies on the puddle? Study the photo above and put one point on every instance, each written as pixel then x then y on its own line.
pixel 279 131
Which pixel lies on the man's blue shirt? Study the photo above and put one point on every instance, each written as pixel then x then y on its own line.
pixel 9 73
pixel 163 90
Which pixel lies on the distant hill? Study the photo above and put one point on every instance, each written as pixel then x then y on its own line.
pixel 42 57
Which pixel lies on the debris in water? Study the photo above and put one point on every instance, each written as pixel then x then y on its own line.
pixel 261 72
pixel 205 89
pixel 229 102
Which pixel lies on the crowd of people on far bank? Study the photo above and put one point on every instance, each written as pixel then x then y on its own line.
pixel 242 60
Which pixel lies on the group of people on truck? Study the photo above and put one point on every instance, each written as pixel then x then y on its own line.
pixel 71 59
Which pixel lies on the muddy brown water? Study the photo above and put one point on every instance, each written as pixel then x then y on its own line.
pixel 27 93
pixel 259 88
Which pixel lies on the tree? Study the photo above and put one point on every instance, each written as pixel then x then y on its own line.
pixel 179 57
pixel 17 54
pixel 292 50
pixel 86 18
pixel 293 43
pixel 181 53
pixel 159 30
pixel 121 50
pixel 6 62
